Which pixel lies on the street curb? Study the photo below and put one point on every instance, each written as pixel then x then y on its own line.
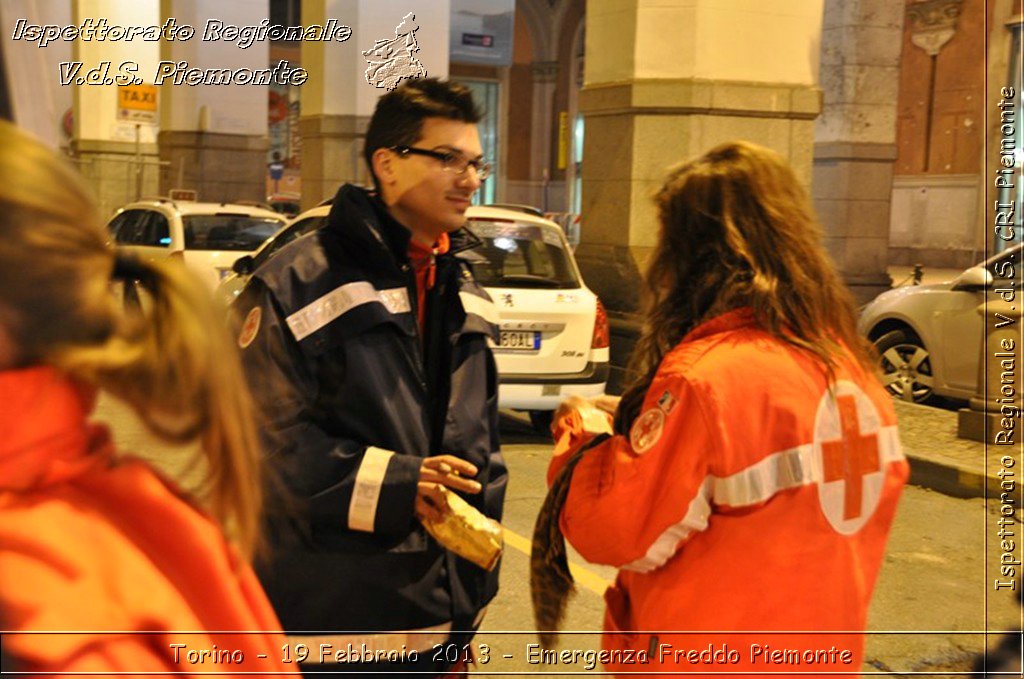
pixel 949 480
pixel 941 460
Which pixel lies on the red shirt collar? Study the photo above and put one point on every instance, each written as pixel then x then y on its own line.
pixel 418 253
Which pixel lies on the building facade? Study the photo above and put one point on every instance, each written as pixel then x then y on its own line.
pixel 889 111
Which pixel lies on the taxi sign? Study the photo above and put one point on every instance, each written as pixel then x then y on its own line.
pixel 183 194
pixel 137 103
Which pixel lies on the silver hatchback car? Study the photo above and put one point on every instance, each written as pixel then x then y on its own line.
pixel 929 337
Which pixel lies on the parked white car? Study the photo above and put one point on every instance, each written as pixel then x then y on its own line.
pixel 554 332
pixel 208 237
pixel 929 336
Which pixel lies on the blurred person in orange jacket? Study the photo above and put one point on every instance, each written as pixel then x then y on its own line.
pixel 750 476
pixel 97 549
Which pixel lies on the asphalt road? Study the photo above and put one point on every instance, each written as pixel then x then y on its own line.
pixel 933 598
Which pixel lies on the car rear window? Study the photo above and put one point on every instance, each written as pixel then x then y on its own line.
pixel 293 232
pixel 518 255
pixel 227 231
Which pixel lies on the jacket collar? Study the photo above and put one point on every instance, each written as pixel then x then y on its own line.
pixel 46 438
pixel 735 319
pixel 362 224
pixel 364 228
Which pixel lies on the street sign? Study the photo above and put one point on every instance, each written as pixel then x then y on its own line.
pixel 137 103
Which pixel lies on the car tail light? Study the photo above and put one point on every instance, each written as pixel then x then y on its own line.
pixel 602 336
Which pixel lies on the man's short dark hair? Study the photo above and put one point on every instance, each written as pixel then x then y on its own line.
pixel 398 118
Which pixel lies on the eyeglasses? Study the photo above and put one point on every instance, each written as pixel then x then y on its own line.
pixel 451 161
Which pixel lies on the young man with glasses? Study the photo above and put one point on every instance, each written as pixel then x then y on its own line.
pixel 367 345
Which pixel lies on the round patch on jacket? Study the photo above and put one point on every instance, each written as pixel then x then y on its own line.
pixel 250 328
pixel 852 453
pixel 647 429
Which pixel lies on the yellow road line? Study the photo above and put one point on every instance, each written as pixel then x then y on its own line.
pixel 584 578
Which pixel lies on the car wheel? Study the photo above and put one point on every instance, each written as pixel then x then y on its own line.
pixel 541 420
pixel 906 366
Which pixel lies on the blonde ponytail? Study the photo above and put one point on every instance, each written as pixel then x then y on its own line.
pixel 172 361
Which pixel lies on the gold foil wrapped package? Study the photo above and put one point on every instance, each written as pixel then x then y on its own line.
pixel 466 531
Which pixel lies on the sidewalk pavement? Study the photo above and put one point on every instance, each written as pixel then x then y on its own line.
pixel 941 461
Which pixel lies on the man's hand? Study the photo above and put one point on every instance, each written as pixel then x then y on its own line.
pixel 442 470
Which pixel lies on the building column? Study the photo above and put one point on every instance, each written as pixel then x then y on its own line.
pixel 116 154
pixel 213 138
pixel 337 100
pixel 545 81
pixel 666 82
pixel 856 137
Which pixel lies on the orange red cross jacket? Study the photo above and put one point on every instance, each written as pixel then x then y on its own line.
pixel 103 549
pixel 748 497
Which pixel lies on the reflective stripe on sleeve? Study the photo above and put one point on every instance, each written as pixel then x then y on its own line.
pixel 664 547
pixel 483 308
pixel 362 510
pixel 342 299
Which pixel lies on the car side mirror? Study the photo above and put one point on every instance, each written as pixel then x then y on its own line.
pixel 243 266
pixel 974 279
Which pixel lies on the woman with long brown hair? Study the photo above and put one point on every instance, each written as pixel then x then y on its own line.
pixel 754 468
pixel 92 544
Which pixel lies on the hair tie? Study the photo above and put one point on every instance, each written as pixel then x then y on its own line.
pixel 130 268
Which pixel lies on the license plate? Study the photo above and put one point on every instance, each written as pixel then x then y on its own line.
pixel 521 341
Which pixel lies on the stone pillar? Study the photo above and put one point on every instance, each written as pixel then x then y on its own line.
pixel 118 157
pixel 213 137
pixel 337 100
pixel 545 81
pixel 856 137
pixel 667 81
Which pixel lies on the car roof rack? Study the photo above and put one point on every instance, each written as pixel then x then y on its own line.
pixel 518 208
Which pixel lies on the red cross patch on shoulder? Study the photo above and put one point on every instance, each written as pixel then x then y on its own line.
pixel 250 328
pixel 646 430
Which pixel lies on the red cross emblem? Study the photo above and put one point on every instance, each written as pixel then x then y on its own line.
pixel 647 430
pixel 250 327
pixel 850 457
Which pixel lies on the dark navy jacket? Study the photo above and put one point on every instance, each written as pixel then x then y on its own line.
pixel 354 398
